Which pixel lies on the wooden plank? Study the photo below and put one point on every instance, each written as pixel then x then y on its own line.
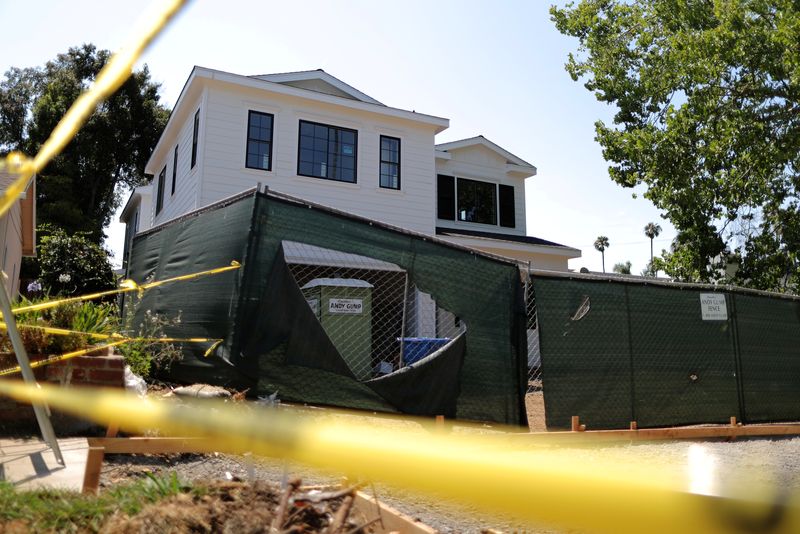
pixel 153 445
pixel 655 434
pixel 94 463
pixel 392 520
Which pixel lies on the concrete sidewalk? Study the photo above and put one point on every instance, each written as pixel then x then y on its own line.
pixel 29 463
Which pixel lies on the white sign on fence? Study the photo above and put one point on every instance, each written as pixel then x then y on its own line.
pixel 348 306
pixel 712 306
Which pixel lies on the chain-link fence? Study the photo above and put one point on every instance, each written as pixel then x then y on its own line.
pixel 377 318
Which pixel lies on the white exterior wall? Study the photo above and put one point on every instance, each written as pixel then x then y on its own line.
pixel 186 195
pixel 11 248
pixel 479 163
pixel 223 145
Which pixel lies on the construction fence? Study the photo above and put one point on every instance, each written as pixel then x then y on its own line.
pixel 333 309
pixel 616 350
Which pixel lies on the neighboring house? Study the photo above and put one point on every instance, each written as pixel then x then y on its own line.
pixel 137 216
pixel 310 135
pixel 18 233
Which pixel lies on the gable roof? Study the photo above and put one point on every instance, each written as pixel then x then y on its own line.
pixel 325 83
pixel 480 140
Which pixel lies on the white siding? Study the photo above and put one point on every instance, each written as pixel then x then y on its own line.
pixel 225 174
pixel 11 248
pixel 479 163
pixel 186 191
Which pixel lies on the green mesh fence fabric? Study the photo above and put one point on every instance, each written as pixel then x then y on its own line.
pixel 616 351
pixel 482 378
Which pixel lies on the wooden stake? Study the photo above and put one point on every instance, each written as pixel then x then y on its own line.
pixel 440 423
pixel 576 423
pixel 634 425
pixel 733 421
pixel 94 463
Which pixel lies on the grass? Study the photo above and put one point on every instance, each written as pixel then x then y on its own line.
pixel 69 511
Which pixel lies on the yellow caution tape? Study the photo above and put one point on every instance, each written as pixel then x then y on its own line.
pixel 108 80
pixel 539 486
pixel 126 287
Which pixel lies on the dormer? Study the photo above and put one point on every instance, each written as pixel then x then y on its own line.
pixel 318 81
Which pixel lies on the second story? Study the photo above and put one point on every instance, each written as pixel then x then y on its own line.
pixel 306 134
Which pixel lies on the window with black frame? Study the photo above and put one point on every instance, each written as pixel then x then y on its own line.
pixel 390 162
pixel 477 201
pixel 259 141
pixel 328 152
pixel 160 190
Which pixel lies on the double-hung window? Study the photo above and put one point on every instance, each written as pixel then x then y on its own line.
pixel 160 191
pixel 328 152
pixel 174 168
pixel 390 162
pixel 259 141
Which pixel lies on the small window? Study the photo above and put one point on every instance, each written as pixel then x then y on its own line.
pixel 327 152
pixel 446 193
pixel 390 162
pixel 508 218
pixel 195 133
pixel 174 168
pixel 160 192
pixel 259 141
pixel 477 201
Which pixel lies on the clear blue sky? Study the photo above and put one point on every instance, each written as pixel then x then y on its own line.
pixel 492 68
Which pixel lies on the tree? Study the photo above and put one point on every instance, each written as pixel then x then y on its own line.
pixel 622 268
pixel 601 244
pixel 80 189
pixel 707 96
pixel 651 230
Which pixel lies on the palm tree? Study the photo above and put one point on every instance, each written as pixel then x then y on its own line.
pixel 651 230
pixel 601 244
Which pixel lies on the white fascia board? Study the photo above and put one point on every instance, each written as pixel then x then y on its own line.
pixel 177 109
pixel 134 200
pixel 526 171
pixel 439 123
pixel 475 242
pixel 318 75
pixel 441 154
pixel 481 140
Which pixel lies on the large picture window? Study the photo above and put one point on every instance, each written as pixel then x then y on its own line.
pixel 327 152
pixel 259 141
pixel 477 201
pixel 390 162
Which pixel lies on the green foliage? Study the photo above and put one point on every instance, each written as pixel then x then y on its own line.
pixel 707 97
pixel 146 355
pixel 52 510
pixel 96 318
pixel 622 268
pixel 80 190
pixel 72 264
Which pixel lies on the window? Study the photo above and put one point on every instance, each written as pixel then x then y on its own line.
pixel 195 133
pixel 390 162
pixel 477 201
pixel 327 152
pixel 259 141
pixel 174 168
pixel 160 192
pixel 446 190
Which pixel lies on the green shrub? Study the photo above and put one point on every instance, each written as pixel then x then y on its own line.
pixel 144 356
pixel 72 264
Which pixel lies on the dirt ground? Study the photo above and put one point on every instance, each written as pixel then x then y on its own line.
pixel 233 506
pixel 534 404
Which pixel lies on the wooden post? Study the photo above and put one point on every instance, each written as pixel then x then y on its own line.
pixel 733 421
pixel 576 423
pixel 634 425
pixel 94 463
pixel 440 423
pixel 112 430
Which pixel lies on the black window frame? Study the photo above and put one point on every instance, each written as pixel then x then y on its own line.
pixel 495 208
pixel 160 190
pixel 195 136
pixel 445 197
pixel 382 162
pixel 300 148
pixel 250 114
pixel 174 169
